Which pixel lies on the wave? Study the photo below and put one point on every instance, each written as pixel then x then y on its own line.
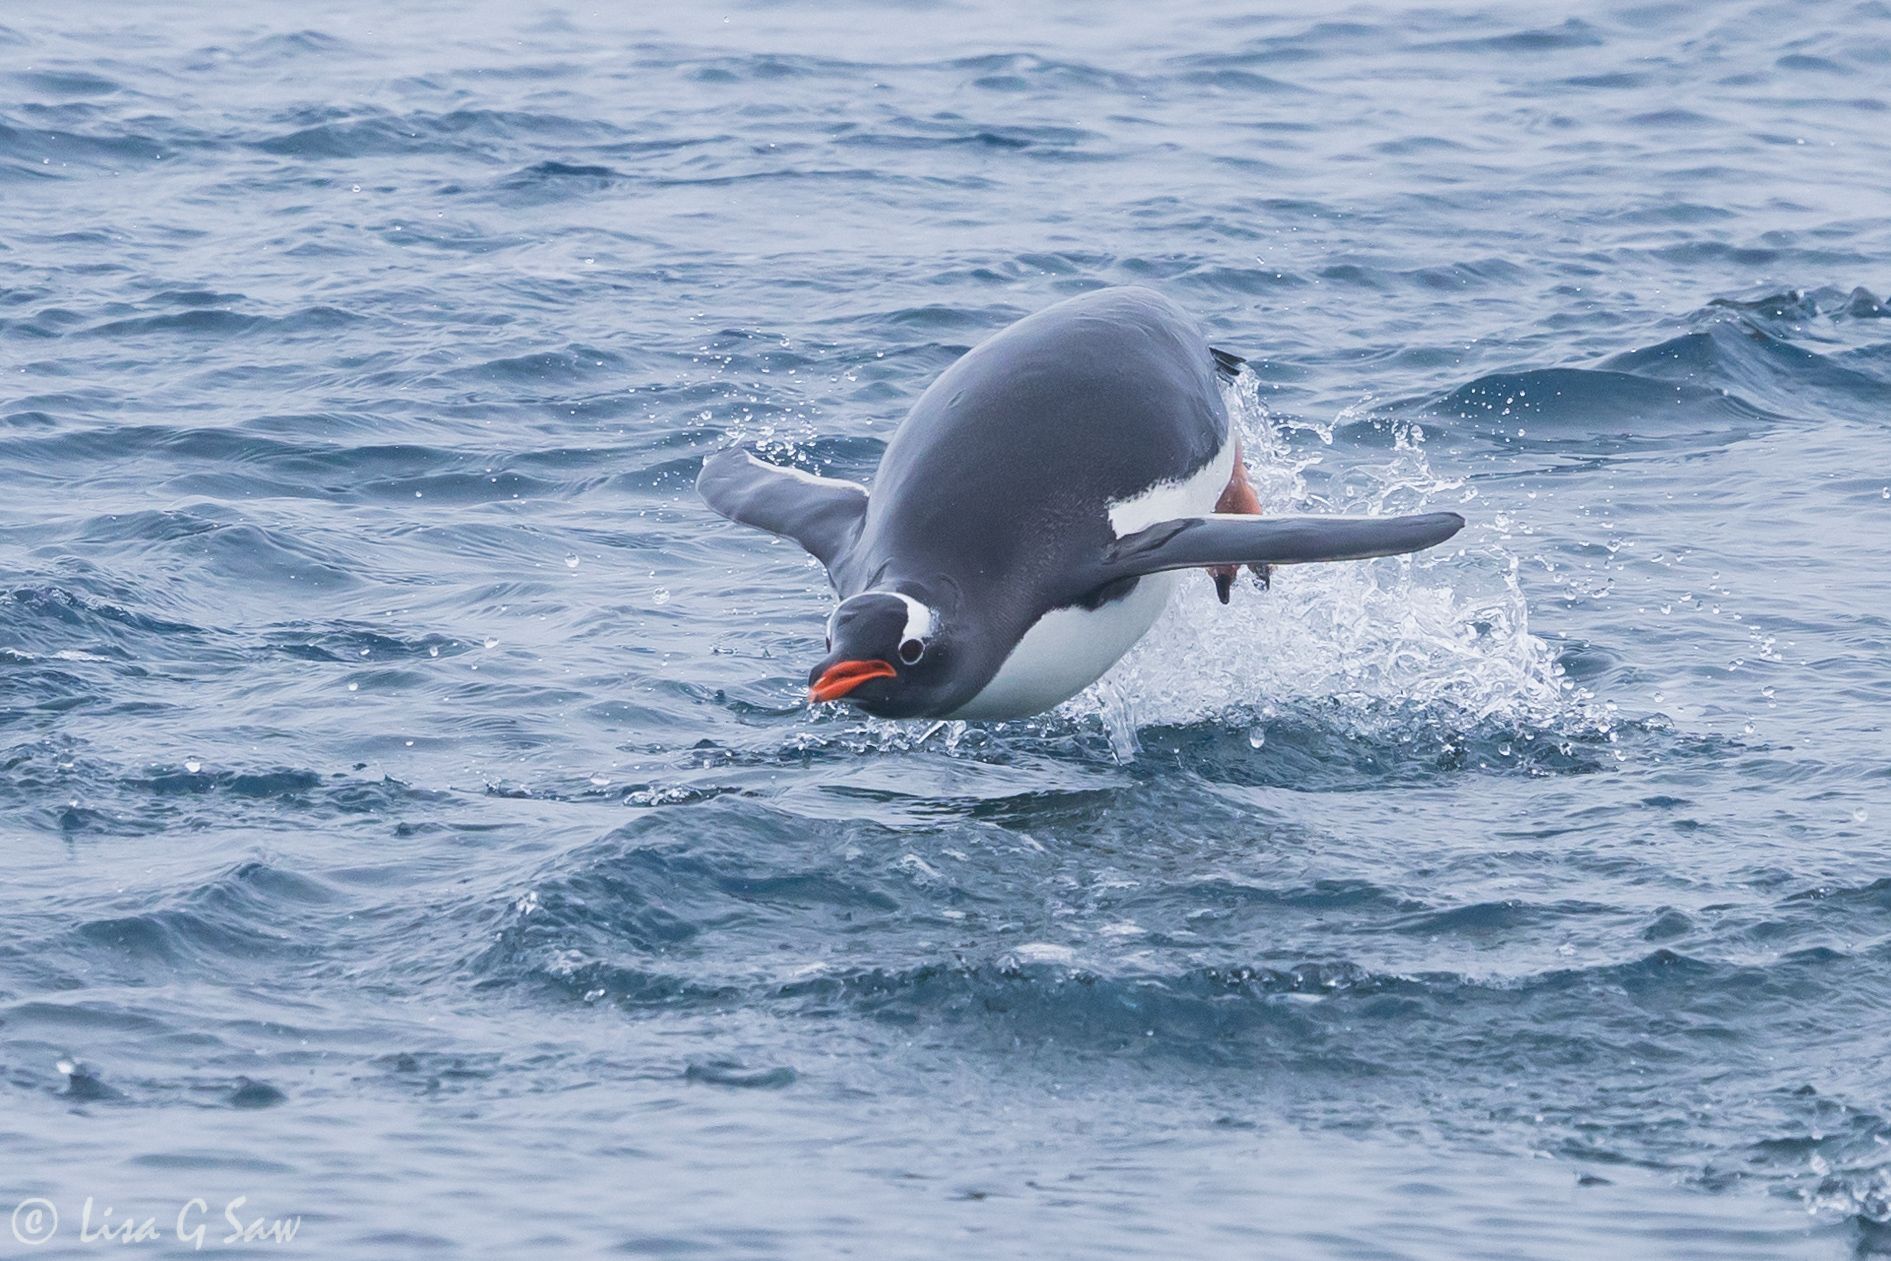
pixel 48 619
pixel 635 921
pixel 1572 33
pixel 254 917
pixel 36 151
pixel 1742 367
pixel 333 133
pixel 1586 404
pixel 58 784
pixel 50 81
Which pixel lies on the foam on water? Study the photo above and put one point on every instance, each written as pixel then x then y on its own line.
pixel 1439 642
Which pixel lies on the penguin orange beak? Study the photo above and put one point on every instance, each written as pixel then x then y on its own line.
pixel 844 676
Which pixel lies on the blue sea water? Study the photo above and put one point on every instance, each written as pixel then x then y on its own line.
pixel 409 819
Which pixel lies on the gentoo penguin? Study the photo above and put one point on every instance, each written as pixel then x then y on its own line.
pixel 1029 514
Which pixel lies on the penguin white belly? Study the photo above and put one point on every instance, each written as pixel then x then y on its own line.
pixel 1068 649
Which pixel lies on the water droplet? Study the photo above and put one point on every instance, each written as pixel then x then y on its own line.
pixel 354 687
pixel 193 766
pixel 1859 815
pixel 1256 737
pixel 491 642
pixel 600 781
pixel 661 595
pixel 571 562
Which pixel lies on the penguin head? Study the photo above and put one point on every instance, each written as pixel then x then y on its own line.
pixel 887 654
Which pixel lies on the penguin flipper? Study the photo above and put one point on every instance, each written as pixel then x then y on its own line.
pixel 1230 539
pixel 822 514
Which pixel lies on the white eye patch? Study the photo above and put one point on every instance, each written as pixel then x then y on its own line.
pixel 918 618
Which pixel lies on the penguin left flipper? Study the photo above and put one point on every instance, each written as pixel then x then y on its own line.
pixel 822 514
pixel 1230 539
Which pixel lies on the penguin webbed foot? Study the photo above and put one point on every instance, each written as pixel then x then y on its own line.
pixel 1224 576
pixel 1237 499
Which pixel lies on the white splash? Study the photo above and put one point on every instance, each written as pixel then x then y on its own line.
pixel 1442 638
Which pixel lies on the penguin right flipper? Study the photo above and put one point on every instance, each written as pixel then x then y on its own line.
pixel 1229 539
pixel 822 514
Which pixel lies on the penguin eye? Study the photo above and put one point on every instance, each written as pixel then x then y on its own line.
pixel 911 650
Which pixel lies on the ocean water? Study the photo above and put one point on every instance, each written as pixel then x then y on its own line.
pixel 409 820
